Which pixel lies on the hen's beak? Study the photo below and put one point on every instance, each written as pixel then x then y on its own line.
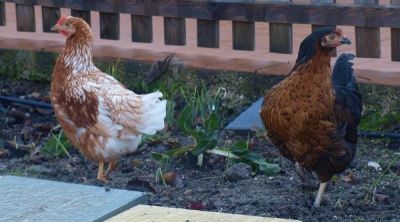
pixel 345 41
pixel 55 28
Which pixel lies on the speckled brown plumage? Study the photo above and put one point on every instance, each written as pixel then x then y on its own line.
pixel 307 119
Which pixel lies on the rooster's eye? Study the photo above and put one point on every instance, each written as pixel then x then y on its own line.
pixel 331 37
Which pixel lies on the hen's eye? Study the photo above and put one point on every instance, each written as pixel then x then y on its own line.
pixel 68 24
pixel 331 37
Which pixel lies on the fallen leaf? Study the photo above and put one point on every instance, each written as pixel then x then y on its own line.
pixel 3 153
pixel 196 206
pixel 44 111
pixel 381 198
pixel 141 184
pixel 35 95
pixel 350 177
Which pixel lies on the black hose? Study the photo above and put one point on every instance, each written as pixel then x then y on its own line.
pixel 29 102
pixel 380 135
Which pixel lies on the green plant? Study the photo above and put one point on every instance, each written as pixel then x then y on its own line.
pixel 56 146
pixel 239 152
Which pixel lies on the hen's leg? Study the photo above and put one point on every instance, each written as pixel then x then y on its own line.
pixel 100 172
pixel 305 175
pixel 111 167
pixel 321 190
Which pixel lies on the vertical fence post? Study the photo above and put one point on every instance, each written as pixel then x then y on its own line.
pixel 109 25
pixel 83 14
pixel 49 18
pixel 25 18
pixel 174 31
pixel 314 27
pixel 368 39
pixel 395 38
pixel 208 33
pixel 142 28
pixel 2 14
pixel 281 36
pixel 243 35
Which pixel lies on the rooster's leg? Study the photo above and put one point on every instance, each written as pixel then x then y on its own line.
pixel 111 167
pixel 321 190
pixel 100 172
pixel 305 175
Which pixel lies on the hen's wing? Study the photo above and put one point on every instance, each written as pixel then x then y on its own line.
pixel 348 101
pixel 107 108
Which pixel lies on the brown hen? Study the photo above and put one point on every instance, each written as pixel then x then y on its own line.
pixel 312 115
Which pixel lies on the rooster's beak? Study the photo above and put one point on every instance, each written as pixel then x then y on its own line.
pixel 345 41
pixel 55 28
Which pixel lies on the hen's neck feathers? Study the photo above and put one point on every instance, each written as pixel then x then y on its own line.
pixel 77 53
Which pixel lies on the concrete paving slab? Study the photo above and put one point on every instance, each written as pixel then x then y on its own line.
pixel 29 199
pixel 249 119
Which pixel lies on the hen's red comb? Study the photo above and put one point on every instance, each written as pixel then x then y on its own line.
pixel 62 19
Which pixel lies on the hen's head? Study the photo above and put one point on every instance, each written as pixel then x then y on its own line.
pixel 321 40
pixel 70 26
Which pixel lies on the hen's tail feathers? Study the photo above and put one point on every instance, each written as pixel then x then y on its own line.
pixel 158 69
pixel 153 112
pixel 343 74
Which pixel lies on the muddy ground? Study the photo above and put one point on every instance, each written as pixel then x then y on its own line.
pixel 362 193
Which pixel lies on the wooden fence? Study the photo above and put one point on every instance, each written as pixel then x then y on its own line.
pixel 367 16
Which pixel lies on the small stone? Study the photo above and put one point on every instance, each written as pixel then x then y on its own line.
pixel 382 198
pixel 238 172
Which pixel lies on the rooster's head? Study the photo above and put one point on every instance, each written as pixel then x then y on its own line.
pixel 321 40
pixel 69 25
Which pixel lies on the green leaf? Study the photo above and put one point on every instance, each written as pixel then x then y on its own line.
pixel 258 163
pixel 160 157
pixel 185 120
pixel 178 152
pixel 57 145
pixel 212 122
pixel 203 145
pixel 240 148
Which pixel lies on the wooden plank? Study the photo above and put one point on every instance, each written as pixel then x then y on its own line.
pixel 395 38
pixel 109 25
pixel 25 18
pixel 174 31
pixel 84 14
pixel 50 17
pixel 243 35
pixel 243 10
pixel 2 14
pixel 164 214
pixel 314 27
pixel 280 36
pixel 142 28
pixel 368 39
pixel 208 33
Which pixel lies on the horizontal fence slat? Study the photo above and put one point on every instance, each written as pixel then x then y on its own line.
pixel 83 14
pixel 368 39
pixel 2 14
pixel 243 10
pixel 208 33
pixel 174 31
pixel 109 26
pixel 243 35
pixel 395 38
pixel 142 28
pixel 314 27
pixel 25 18
pixel 50 17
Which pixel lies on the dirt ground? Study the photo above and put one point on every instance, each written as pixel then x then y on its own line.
pixel 362 193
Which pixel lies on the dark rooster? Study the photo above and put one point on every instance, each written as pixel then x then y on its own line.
pixel 313 114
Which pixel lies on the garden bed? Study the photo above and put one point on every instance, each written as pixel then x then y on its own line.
pixel 29 146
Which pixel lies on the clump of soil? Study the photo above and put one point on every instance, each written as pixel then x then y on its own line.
pixel 362 193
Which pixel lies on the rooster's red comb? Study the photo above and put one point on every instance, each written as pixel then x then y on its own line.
pixel 62 19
